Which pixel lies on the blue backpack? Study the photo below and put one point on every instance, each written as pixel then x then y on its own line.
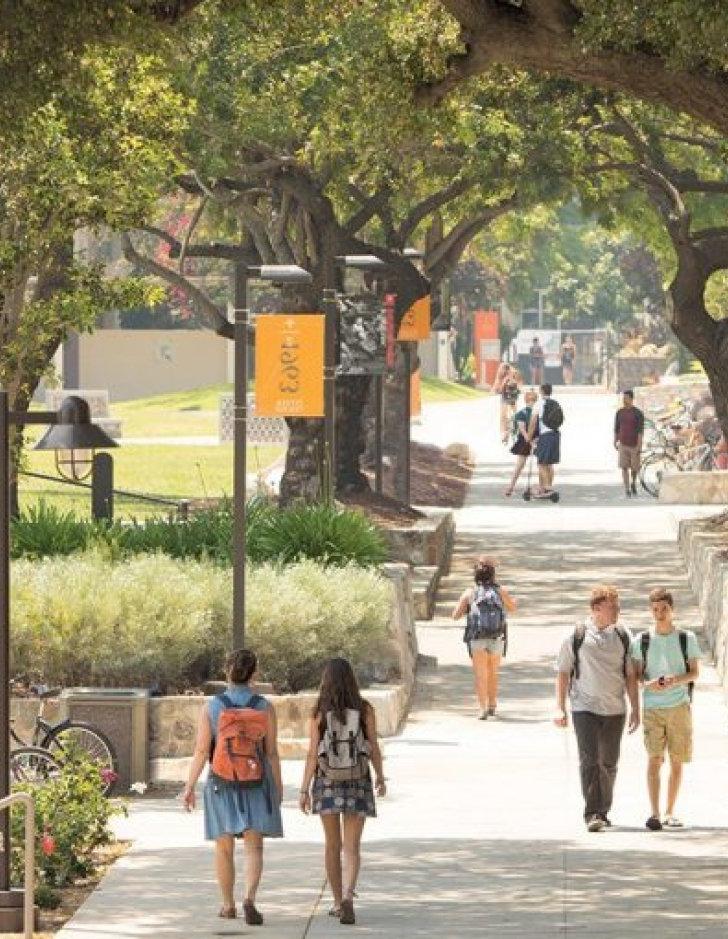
pixel 486 616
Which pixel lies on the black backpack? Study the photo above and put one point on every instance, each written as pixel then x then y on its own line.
pixel 577 642
pixel 553 415
pixel 683 638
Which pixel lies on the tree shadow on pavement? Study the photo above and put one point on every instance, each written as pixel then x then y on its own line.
pixel 528 888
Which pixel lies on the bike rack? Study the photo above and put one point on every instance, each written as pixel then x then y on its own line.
pixel 29 879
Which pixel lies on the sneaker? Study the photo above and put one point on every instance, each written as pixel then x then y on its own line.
pixel 605 819
pixel 634 489
pixel 595 823
pixel 654 823
pixel 671 821
pixel 491 711
pixel 627 493
pixel 484 714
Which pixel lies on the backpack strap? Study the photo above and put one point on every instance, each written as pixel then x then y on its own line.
pixel 577 641
pixel 225 700
pixel 624 637
pixel 644 646
pixel 683 637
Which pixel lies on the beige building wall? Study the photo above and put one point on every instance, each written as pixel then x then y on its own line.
pixel 135 363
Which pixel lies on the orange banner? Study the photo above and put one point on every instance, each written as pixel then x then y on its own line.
pixel 289 365
pixel 415 323
pixel 416 395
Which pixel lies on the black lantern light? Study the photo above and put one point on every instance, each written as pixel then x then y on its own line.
pixel 74 439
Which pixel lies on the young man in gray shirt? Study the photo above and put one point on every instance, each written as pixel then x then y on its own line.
pixel 596 670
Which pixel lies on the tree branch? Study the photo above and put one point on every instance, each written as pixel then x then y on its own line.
pixel 209 311
pixel 431 204
pixel 540 36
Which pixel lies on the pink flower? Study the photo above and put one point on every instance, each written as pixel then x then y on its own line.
pixel 108 776
pixel 48 844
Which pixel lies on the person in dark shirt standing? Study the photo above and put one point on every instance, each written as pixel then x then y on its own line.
pixel 629 426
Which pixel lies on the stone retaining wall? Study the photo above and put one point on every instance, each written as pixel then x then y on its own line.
pixel 704 546
pixel 658 397
pixel 695 487
pixel 632 370
pixel 428 542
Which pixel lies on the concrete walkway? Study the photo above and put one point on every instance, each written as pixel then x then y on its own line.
pixel 481 834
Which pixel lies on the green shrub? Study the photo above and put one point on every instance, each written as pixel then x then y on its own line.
pixel 157 621
pixel 302 614
pixel 43 530
pixel 72 819
pixel 149 620
pixel 318 532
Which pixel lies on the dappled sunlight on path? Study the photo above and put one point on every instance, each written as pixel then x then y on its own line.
pixel 481 834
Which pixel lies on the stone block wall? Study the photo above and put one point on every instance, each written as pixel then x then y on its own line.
pixel 658 397
pixel 704 545
pixel 428 542
pixel 631 370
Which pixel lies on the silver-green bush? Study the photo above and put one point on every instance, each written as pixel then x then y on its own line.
pixel 153 620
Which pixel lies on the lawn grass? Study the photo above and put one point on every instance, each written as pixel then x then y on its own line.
pixel 181 414
pixel 172 471
pixel 438 390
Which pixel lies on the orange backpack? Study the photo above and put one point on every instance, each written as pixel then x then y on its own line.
pixel 237 753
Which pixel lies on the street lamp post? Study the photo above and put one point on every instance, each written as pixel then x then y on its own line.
pixel 284 275
pixel 541 291
pixel 72 427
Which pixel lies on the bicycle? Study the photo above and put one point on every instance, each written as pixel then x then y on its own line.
pixel 66 736
pixel 672 457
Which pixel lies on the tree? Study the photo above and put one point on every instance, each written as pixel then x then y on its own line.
pixel 97 153
pixel 681 170
pixel 672 53
pixel 291 151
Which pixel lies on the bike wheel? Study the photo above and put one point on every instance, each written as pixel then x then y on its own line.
pixel 33 765
pixel 78 737
pixel 653 468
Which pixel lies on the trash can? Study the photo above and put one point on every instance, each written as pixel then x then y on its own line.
pixel 122 714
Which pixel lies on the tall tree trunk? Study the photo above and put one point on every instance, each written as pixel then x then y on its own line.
pixel 705 337
pixel 303 477
pixel 352 394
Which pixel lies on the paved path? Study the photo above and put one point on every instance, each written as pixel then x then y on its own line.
pixel 482 834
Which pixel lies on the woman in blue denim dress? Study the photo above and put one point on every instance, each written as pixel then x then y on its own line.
pixel 233 811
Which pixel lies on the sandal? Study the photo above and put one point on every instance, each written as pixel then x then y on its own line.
pixel 228 912
pixel 347 913
pixel 251 913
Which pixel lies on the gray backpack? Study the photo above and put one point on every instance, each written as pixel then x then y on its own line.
pixel 487 615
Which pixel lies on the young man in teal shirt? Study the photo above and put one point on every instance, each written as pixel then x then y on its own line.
pixel 666 660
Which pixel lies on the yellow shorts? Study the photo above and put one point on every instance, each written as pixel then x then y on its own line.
pixel 670 728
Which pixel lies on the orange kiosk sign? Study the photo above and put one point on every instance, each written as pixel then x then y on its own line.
pixel 289 365
pixel 415 324
pixel 487 346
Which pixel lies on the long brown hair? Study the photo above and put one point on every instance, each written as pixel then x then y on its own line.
pixel 339 690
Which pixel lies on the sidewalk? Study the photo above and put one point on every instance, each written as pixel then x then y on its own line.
pixel 481 834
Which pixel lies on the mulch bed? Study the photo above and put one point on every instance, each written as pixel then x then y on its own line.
pixel 73 897
pixel 437 480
